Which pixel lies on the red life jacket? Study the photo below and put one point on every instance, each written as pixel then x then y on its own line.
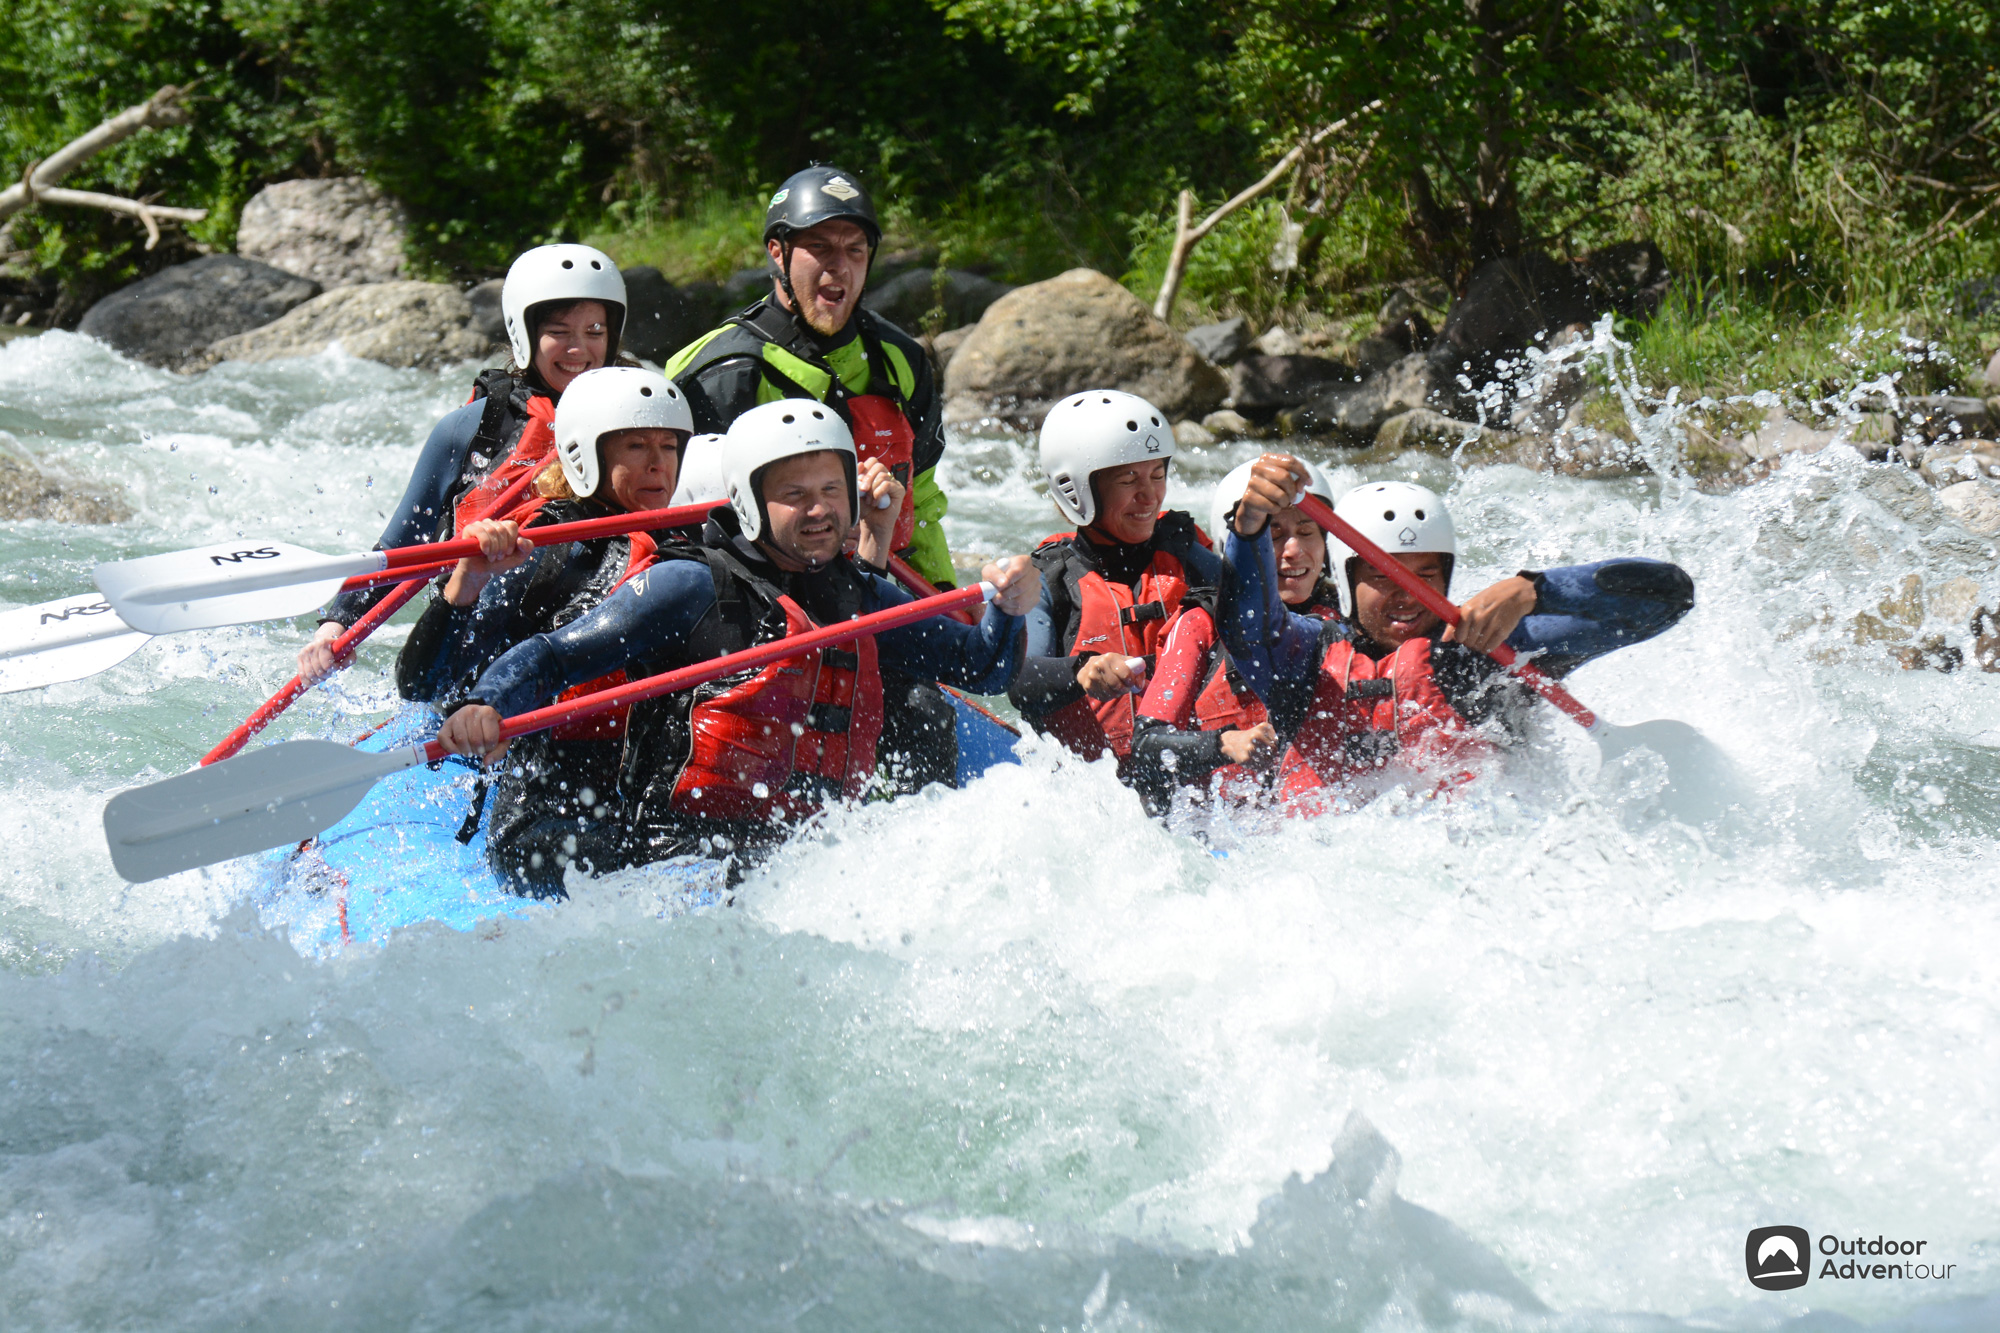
pixel 882 431
pixel 1226 701
pixel 608 726
pixel 1365 710
pixel 1112 618
pixel 533 450
pixel 818 716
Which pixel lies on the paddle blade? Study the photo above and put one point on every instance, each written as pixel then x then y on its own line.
pixel 231 584
pixel 267 798
pixel 62 640
pixel 1702 784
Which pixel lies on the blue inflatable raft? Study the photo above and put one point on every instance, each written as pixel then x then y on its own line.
pixel 398 859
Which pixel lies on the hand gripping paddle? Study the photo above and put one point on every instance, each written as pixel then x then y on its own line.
pixel 239 582
pixel 286 793
pixel 1698 773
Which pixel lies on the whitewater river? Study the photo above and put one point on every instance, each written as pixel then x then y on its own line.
pixel 1015 1057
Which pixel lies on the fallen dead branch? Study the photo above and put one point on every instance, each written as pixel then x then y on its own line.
pixel 38 183
pixel 1187 236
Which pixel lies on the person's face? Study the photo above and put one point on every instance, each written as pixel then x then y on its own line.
pixel 829 269
pixel 1301 550
pixel 571 341
pixel 641 466
pixel 806 517
pixel 1129 500
pixel 1389 615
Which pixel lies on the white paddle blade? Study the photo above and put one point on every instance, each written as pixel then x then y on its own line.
pixel 268 797
pixel 231 584
pixel 1702 784
pixel 62 640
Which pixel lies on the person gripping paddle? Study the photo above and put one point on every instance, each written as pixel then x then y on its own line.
pixel 729 769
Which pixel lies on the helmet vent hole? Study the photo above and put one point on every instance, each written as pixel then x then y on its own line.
pixel 1388 516
pixel 1420 516
pixel 569 263
pixel 818 415
pixel 1156 421
pixel 595 264
pixel 1131 425
pixel 789 418
pixel 646 391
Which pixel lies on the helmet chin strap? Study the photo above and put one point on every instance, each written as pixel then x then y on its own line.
pixel 785 273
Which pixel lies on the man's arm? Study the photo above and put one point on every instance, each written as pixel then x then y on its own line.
pixel 979 658
pixel 653 613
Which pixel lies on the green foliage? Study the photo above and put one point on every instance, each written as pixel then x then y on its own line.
pixel 65 66
pixel 1727 338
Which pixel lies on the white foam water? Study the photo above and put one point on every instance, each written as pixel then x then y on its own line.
pixel 1016 1056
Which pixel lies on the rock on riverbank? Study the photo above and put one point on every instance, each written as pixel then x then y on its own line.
pixel 403 324
pixel 171 318
pixel 1078 331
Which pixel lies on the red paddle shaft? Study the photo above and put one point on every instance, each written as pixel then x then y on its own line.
pixel 426 560
pixel 907 575
pixel 687 677
pixel 1399 574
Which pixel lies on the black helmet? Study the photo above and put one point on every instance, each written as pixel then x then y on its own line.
pixel 816 195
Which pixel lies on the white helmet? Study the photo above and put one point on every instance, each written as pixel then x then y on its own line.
pixel 1402 518
pixel 1089 432
pixel 784 429
pixel 562 273
pixel 702 478
pixel 1231 490
pixel 610 398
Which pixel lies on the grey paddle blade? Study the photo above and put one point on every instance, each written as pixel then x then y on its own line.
pixel 1702 783
pixel 62 640
pixel 268 797
pixel 231 584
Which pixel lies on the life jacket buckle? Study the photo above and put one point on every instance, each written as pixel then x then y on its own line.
pixel 1140 614
pixel 830 719
pixel 1371 689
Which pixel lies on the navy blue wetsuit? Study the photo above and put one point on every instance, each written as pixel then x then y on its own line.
pixel 426 499
pixel 1581 612
pixel 668 616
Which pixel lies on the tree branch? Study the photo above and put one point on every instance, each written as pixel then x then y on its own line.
pixel 1186 237
pixel 38 182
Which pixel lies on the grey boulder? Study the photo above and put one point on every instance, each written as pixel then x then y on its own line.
pixel 171 318
pixel 1079 330
pixel 403 324
pixel 26 492
pixel 1353 415
pixel 337 232
pixel 1221 342
pixel 908 299
pixel 1260 386
pixel 659 317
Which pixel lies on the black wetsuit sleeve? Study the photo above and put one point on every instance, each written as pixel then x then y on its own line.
pixel 1046 680
pixel 1164 757
pixel 647 619
pixel 438 470
pixel 979 658
pixel 1585 611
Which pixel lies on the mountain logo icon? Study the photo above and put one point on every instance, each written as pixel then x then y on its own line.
pixel 1778 1258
